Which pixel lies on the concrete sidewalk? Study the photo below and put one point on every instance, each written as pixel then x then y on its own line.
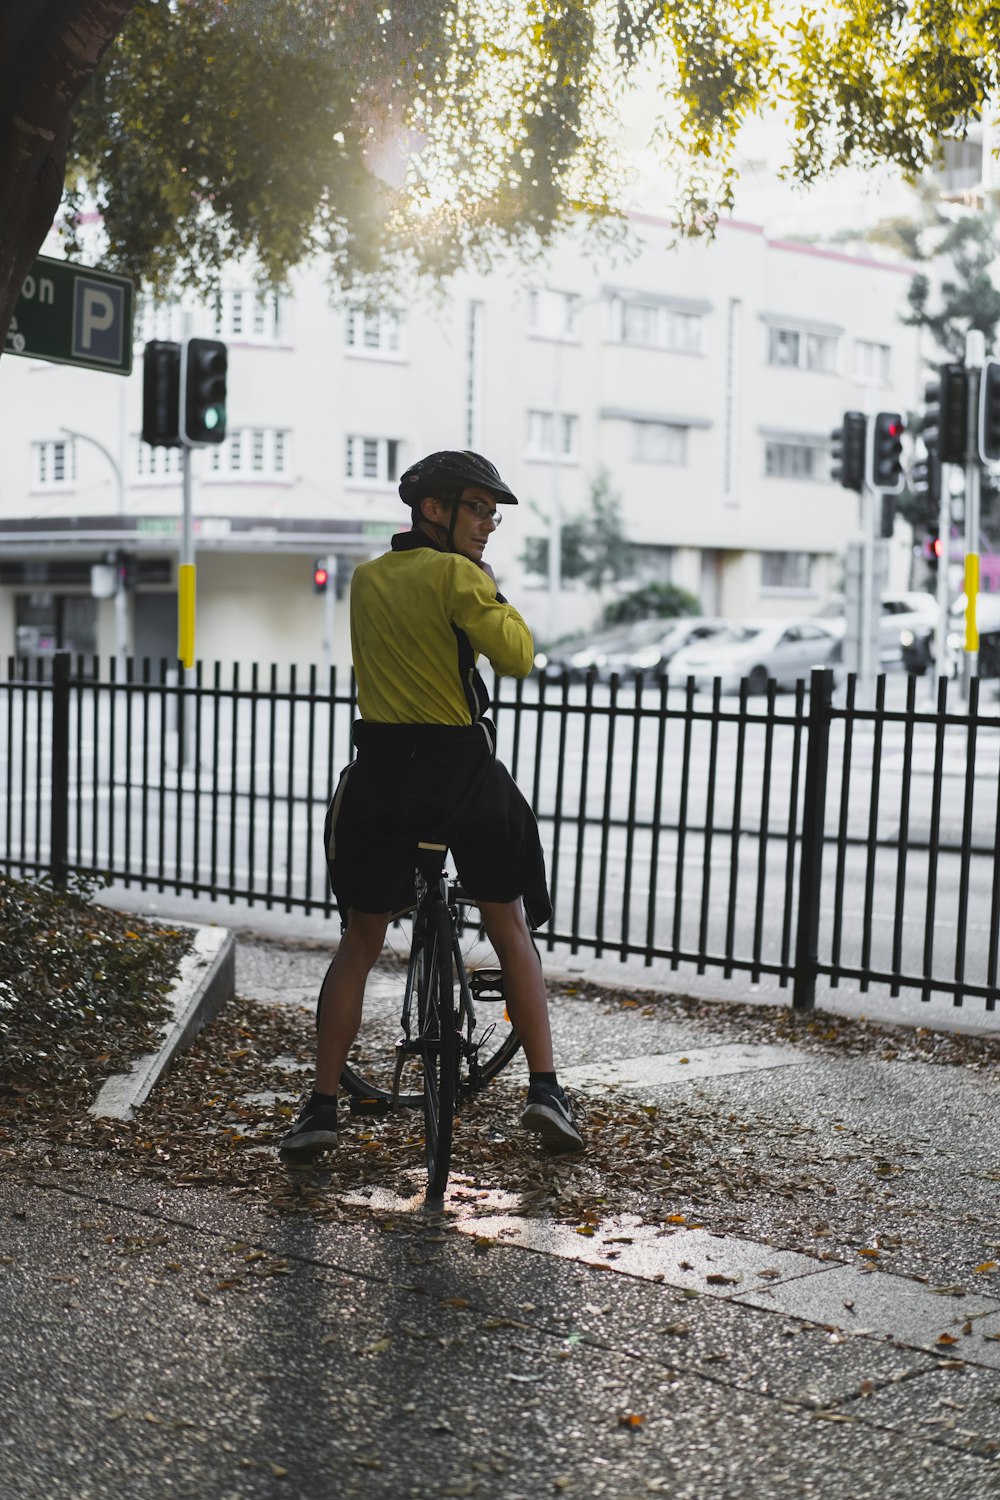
pixel 800 1296
pixel 168 1345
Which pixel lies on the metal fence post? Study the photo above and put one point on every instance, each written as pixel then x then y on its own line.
pixel 813 826
pixel 59 837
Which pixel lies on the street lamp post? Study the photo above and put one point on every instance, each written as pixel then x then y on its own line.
pixel 121 613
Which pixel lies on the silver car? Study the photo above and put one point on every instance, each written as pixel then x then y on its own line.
pixel 757 650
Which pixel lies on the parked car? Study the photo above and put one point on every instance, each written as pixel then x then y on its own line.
pixel 576 657
pixel 918 642
pixel 653 645
pixel 900 612
pixel 641 646
pixel 758 650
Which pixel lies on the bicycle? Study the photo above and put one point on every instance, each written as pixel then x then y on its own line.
pixel 453 1063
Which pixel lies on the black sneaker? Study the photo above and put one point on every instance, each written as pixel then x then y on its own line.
pixel 550 1113
pixel 314 1131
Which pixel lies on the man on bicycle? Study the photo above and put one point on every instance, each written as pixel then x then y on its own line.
pixel 426 770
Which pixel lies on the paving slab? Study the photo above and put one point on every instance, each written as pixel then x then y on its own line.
pixel 694 1259
pixel 680 1067
pixel 957 1408
pixel 853 1298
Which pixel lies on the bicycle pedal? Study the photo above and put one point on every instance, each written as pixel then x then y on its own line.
pixel 369 1106
pixel 486 984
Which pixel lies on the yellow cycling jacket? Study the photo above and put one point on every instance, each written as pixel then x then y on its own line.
pixel 420 617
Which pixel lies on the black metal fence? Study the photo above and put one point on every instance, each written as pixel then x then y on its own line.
pixel 796 836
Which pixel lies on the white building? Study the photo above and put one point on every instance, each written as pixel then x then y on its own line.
pixel 704 379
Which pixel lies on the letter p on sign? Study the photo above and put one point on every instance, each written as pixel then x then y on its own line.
pixel 98 320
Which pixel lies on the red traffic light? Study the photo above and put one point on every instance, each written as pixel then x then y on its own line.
pixel 893 429
pixel 938 549
pixel 321 577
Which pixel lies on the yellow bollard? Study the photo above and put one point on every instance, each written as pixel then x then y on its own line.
pixel 971 593
pixel 185 614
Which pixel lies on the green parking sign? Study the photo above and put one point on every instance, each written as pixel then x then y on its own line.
pixel 73 315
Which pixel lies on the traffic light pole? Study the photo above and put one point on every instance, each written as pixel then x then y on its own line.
pixel 944 541
pixel 329 609
pixel 869 500
pixel 975 354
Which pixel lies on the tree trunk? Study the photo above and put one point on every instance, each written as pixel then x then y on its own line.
pixel 48 51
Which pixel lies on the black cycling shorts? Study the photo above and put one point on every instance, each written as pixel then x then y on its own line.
pixel 434 784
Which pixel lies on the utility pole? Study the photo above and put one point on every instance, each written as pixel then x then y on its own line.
pixel 120 598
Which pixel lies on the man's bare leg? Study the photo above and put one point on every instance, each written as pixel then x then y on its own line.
pixel 342 994
pixel 523 982
pixel 342 997
pixel 547 1111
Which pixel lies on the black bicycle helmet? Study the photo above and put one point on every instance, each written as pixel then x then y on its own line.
pixel 444 475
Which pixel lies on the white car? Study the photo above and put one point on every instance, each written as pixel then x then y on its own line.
pixel 911 611
pixel 757 650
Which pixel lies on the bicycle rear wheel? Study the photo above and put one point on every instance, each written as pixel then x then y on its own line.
pixel 438 1048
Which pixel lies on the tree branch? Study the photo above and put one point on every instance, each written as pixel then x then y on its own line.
pixel 48 52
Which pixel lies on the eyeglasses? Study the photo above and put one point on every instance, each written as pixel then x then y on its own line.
pixel 482 511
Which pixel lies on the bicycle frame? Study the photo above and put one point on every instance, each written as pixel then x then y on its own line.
pixel 430 888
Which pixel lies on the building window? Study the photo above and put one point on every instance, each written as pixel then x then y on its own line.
pixel 249 315
pixel 54 463
pixel 156 463
pixel 797 349
pixel 871 362
pixel 962 166
pixel 251 453
pixel 372 460
pixel 786 459
pixel 653 325
pixel 551 434
pixel 684 331
pixel 373 333
pixel 786 570
pixel 554 315
pixel 159 320
pixel 659 443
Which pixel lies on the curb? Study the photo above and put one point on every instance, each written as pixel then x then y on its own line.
pixel 206 980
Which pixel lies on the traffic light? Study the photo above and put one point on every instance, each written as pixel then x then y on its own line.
pixel 946 418
pixel 931 549
pixel 887 517
pixel 161 376
pixel 848 459
pixel 203 391
pixel 925 479
pixel 989 412
pixel 885 466
pixel 321 576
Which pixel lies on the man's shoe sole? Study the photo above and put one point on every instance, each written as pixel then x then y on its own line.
pixel 307 1145
pixel 555 1130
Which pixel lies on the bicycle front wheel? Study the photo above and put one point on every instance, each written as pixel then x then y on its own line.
pixel 438 1047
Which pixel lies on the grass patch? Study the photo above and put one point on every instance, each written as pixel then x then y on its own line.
pixel 83 990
